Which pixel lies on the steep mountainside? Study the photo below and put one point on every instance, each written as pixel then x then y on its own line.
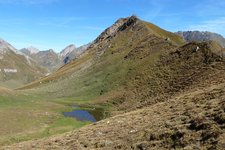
pixel 6 45
pixel 15 68
pixel 71 52
pixel 161 92
pixel 51 60
pixel 67 50
pixel 111 52
pixel 201 36
pixel 48 59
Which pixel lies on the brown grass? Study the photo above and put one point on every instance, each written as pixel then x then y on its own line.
pixel 194 119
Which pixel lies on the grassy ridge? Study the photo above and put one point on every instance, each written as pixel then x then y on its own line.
pixel 108 65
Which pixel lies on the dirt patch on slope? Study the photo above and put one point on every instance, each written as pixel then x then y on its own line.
pixel 5 91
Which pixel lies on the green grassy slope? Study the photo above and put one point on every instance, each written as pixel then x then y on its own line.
pixel 193 119
pixel 107 65
pixel 179 93
pixel 166 34
pixel 129 69
pixel 24 117
pixel 27 70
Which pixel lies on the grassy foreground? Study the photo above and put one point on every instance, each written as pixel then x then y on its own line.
pixel 26 116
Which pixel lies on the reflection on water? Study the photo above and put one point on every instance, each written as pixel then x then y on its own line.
pixel 90 114
pixel 81 115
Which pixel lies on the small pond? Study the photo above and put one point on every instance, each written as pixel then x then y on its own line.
pixel 86 114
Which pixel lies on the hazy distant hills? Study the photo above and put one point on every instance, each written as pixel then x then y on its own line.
pixel 5 45
pixel 48 59
pixel 202 36
pixel 30 50
pixel 67 50
pixel 51 60
pixel 71 52
pixel 16 68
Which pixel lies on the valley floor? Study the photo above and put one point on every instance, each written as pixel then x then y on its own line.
pixel 191 120
pixel 26 116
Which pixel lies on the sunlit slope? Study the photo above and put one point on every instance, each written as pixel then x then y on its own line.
pixel 17 70
pixel 107 64
pixel 180 100
pixel 166 34
pixel 136 65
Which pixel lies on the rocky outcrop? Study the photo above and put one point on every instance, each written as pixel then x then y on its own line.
pixel 119 25
pixel 130 21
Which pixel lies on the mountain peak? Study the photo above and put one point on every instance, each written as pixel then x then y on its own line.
pixel 129 21
pixel 30 50
pixel 120 25
pixel 67 50
pixel 71 45
pixel 51 50
pixel 33 50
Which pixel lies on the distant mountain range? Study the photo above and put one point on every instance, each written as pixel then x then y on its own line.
pixel 48 60
pixel 190 36
pixel 51 60
pixel 17 68
pixel 30 50
pixel 71 52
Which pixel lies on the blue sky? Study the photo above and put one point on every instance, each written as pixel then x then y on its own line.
pixel 55 24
